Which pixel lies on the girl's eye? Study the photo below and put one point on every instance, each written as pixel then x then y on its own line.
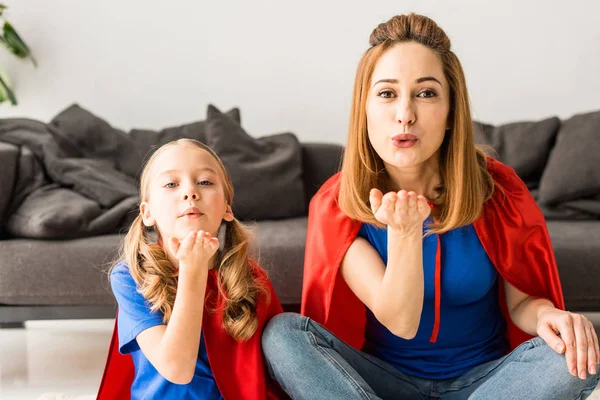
pixel 205 183
pixel 386 94
pixel 171 185
pixel 427 94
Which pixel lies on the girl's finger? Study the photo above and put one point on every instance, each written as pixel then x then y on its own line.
pixel 213 243
pixel 173 244
pixel 188 242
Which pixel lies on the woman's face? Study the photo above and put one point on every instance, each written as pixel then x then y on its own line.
pixel 407 106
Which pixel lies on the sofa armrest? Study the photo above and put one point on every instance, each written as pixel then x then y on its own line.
pixel 9 157
pixel 320 161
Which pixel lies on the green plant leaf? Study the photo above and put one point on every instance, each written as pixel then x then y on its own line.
pixel 6 93
pixel 2 8
pixel 15 44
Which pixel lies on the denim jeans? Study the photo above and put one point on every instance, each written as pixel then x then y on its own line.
pixel 310 362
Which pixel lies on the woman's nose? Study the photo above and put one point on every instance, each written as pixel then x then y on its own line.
pixel 405 114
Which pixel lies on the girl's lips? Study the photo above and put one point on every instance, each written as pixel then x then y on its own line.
pixel 193 215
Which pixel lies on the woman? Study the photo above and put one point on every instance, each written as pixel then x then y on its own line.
pixel 425 254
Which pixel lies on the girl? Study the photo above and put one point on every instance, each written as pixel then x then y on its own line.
pixel 436 298
pixel 190 314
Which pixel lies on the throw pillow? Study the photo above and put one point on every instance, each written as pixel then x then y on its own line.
pixel 266 172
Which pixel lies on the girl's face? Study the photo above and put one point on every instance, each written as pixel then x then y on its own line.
pixel 407 105
pixel 185 192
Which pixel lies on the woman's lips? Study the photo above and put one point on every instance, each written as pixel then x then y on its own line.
pixel 404 140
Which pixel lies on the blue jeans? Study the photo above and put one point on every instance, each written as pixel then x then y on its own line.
pixel 309 362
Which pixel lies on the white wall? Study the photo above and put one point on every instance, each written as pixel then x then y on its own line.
pixel 289 65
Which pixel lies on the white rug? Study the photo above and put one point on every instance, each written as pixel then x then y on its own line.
pixel 62 396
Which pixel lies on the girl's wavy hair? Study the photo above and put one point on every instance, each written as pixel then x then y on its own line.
pixel 156 278
pixel 465 182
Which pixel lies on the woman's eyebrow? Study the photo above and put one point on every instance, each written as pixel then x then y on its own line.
pixel 420 80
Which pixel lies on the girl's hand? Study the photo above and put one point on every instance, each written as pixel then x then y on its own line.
pixel 403 212
pixel 578 339
pixel 195 250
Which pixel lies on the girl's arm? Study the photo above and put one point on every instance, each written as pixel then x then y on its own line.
pixel 173 348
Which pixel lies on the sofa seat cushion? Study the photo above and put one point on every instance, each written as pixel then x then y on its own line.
pixel 74 272
pixel 65 272
pixel 281 254
pixel 577 252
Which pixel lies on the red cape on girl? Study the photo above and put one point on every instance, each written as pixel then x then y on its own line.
pixel 238 367
pixel 511 229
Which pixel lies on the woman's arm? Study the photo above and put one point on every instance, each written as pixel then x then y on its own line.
pixel 394 294
pixel 578 339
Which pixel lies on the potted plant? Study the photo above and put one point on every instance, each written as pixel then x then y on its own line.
pixel 11 40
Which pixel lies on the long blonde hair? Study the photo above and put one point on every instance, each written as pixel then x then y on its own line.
pixel 465 182
pixel 153 272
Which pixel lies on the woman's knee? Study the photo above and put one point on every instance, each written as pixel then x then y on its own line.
pixel 555 368
pixel 281 333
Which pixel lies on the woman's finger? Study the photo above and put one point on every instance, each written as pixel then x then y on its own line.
pixel 422 206
pixel 567 335
pixel 402 203
pixel 595 337
pixel 375 198
pixel 412 202
pixel 592 358
pixel 582 345
pixel 551 339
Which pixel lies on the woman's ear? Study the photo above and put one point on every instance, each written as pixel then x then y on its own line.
pixel 146 217
pixel 228 214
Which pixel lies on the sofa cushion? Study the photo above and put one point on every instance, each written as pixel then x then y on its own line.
pixel 573 171
pixel 523 146
pixel 266 172
pixel 66 272
pixel 577 253
pixel 281 254
pixel 74 272
pixel 147 141
pixel 96 138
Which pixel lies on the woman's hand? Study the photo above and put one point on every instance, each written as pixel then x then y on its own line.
pixel 195 251
pixel 578 339
pixel 403 212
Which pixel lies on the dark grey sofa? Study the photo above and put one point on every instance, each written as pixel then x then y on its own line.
pixel 45 279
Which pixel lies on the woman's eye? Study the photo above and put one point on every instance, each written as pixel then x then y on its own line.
pixel 171 185
pixel 205 183
pixel 427 94
pixel 386 94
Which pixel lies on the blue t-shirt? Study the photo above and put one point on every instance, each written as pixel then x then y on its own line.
pixel 134 317
pixel 471 330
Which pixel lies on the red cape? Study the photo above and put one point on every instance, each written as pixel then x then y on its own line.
pixel 511 229
pixel 238 367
